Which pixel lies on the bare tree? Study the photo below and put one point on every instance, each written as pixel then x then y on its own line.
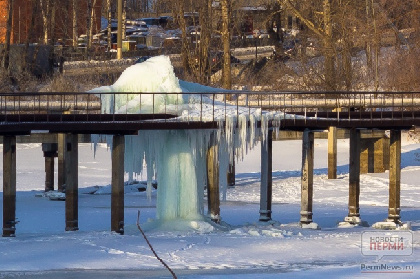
pixel 206 19
pixel 74 23
pixel 29 59
pixel 8 35
pixel 227 76
pixel 53 10
pixel 322 28
pixel 179 10
pixel 109 16
pixel 399 72
pixel 124 19
pixel 46 10
pixel 89 21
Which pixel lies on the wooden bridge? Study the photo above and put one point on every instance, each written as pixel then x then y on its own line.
pixel 72 114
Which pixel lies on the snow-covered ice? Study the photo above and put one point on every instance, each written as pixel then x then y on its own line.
pixel 196 249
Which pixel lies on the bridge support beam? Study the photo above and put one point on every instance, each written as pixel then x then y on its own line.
pixel 366 155
pixel 50 152
pixel 9 186
pixel 353 216
pixel 395 177
pixel 231 173
pixel 307 177
pixel 72 191
pixel 266 189
pixel 332 153
pixel 378 156
pixel 61 170
pixel 213 193
pixel 117 184
pixel 386 148
pixel 372 157
pixel 354 173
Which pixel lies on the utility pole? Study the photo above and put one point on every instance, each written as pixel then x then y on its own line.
pixel 119 32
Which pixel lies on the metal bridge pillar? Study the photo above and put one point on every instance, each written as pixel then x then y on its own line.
pixel 213 194
pixel 50 151
pixel 9 185
pixel 378 155
pixel 61 170
pixel 117 184
pixel 373 154
pixel 307 177
pixel 395 177
pixel 266 190
pixel 231 173
pixel 386 148
pixel 354 176
pixel 332 153
pixel 366 155
pixel 72 191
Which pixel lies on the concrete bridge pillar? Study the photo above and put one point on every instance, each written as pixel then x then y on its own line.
pixel 353 216
pixel 117 184
pixel 374 154
pixel 354 173
pixel 307 177
pixel 9 186
pixel 231 173
pixel 72 191
pixel 386 148
pixel 61 170
pixel 395 177
pixel 332 153
pixel 266 188
pixel 213 193
pixel 50 151
pixel 378 155
pixel 366 155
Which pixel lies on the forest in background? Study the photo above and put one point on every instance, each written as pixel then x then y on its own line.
pixel 363 45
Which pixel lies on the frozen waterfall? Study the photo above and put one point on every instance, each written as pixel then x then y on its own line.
pixel 177 158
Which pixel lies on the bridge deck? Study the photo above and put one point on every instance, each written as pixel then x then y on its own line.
pixel 80 112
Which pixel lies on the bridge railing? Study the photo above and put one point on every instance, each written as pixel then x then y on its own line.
pixel 211 106
pixel 41 103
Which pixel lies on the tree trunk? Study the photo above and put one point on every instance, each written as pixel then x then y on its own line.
pixel 124 19
pixel 368 44
pixel 376 47
pixel 180 9
pixel 204 70
pixel 329 48
pixel 52 11
pixel 90 12
pixel 29 61
pixel 325 34
pixel 347 67
pixel 46 14
pixel 8 35
pixel 109 15
pixel 226 75
pixel 74 24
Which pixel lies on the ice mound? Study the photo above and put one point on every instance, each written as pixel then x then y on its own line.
pixel 155 75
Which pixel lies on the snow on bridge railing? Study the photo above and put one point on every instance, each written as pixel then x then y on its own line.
pixel 212 106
